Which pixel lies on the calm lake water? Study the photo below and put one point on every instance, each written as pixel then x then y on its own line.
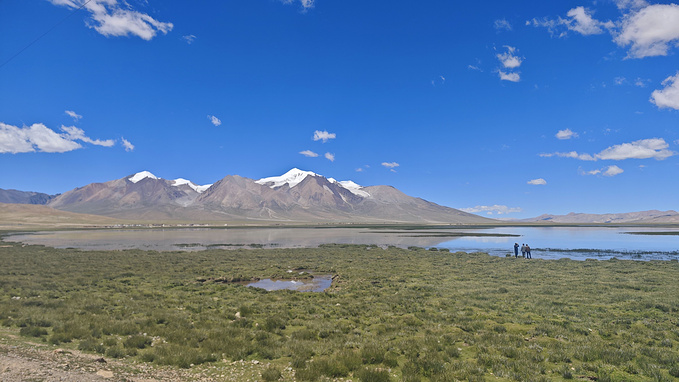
pixel 577 243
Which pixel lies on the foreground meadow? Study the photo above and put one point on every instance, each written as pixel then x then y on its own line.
pixel 391 314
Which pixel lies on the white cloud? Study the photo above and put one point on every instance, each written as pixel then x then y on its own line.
pixel 606 171
pixel 189 38
pixel 508 59
pixel 650 31
pixel 613 171
pixel 566 134
pixel 360 169
pixel 655 148
pixel 667 97
pixel 494 209
pixel 513 77
pixel 73 115
pixel 472 67
pixel 390 164
pixel 14 140
pixel 330 157
pixel 578 20
pixel 39 137
pixel 323 136
pixel 537 182
pixel 620 80
pixel 502 24
pixel 111 18
pixel 581 21
pixel 36 137
pixel 214 120
pixel 128 146
pixel 309 153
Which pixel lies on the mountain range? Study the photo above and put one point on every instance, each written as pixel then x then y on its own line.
pixel 296 197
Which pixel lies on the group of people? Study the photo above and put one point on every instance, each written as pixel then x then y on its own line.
pixel 525 250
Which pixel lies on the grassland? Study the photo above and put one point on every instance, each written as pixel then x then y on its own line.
pixel 391 314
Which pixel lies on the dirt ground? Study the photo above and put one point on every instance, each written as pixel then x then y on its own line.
pixel 24 361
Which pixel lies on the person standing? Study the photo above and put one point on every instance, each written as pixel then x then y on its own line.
pixel 528 256
pixel 516 250
pixel 523 250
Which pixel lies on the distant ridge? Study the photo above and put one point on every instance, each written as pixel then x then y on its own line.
pixel 652 216
pixel 24 197
pixel 297 196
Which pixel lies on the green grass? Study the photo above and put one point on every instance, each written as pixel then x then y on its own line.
pixel 391 314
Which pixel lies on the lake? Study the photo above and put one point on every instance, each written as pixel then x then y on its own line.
pixel 577 243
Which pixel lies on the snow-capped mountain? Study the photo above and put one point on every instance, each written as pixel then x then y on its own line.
pixel 296 196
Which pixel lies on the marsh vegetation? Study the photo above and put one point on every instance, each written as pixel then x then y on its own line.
pixel 390 314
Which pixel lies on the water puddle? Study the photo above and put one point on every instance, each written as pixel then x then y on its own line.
pixel 317 284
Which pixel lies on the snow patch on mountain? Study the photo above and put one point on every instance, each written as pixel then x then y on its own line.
pixel 296 176
pixel 141 175
pixel 181 181
pixel 354 188
pixel 291 178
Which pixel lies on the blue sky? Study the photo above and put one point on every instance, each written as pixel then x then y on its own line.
pixel 506 109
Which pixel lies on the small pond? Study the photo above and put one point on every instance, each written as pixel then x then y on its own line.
pixel 318 283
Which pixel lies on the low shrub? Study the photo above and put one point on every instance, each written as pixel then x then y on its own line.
pixel 32 331
pixel 271 374
pixel 373 375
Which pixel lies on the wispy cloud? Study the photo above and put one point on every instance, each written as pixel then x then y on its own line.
pixel 577 19
pixel 76 117
pixel 537 182
pixel 566 134
pixel 630 4
pixel 128 146
pixel 39 137
pixel 189 39
pixel 440 81
pixel 309 153
pixel 214 120
pixel 75 133
pixel 502 25
pixel 570 154
pixel 323 136
pixel 306 4
pixel 655 148
pixel 667 97
pixel 111 18
pixel 330 157
pixel 494 209
pixel 390 164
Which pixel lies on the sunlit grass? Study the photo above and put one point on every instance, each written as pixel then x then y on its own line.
pixel 391 314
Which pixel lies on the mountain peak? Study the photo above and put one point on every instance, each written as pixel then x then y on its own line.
pixel 291 178
pixel 141 175
pixel 199 189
